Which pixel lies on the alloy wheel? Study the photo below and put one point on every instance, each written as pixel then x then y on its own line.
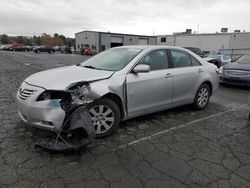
pixel 203 96
pixel 102 117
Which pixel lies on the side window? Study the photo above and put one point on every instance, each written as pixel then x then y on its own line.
pixel 156 59
pixel 195 62
pixel 180 59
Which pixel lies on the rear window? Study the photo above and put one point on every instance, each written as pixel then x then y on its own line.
pixel 180 59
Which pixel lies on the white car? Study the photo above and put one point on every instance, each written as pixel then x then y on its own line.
pixel 118 84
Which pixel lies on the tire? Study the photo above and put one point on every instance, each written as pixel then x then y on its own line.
pixel 105 115
pixel 202 97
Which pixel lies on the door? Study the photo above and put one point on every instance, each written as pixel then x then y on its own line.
pixel 186 73
pixel 151 91
pixel 116 41
pixel 143 41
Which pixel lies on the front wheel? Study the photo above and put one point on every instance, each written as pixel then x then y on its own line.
pixel 202 97
pixel 105 116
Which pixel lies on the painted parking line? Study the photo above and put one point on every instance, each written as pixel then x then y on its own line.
pixel 177 127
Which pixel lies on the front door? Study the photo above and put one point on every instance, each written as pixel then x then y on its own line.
pixel 148 92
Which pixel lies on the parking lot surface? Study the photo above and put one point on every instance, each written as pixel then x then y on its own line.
pixel 173 148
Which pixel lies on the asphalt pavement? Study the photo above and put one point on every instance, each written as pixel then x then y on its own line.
pixel 180 147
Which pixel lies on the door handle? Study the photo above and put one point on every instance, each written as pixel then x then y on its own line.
pixel 168 75
pixel 200 71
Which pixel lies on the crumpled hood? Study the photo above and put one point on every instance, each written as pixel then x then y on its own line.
pixel 237 66
pixel 61 78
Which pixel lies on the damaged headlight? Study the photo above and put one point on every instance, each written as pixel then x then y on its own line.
pixel 52 95
pixel 79 91
pixel 76 93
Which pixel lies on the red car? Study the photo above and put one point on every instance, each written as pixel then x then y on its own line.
pixel 17 47
pixel 88 51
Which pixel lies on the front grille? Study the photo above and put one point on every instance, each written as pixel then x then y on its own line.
pixel 237 73
pixel 24 94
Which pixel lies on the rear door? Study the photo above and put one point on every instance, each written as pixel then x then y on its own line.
pixel 147 92
pixel 186 73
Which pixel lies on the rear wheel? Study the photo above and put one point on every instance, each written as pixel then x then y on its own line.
pixel 105 116
pixel 202 97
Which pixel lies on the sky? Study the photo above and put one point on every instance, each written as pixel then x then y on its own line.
pixel 143 17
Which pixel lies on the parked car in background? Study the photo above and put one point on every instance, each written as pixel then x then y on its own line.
pixel 2 47
pixel 10 47
pixel 195 50
pixel 30 48
pixel 118 84
pixel 19 48
pixel 66 50
pixel 236 73
pixel 88 51
pixel 218 59
pixel 47 49
pixel 57 48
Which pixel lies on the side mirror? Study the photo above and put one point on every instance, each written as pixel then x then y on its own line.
pixel 141 68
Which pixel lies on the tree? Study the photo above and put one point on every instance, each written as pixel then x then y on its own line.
pixel 46 39
pixel 56 35
pixel 63 38
pixel 70 42
pixel 5 39
pixel 27 41
pixel 20 39
pixel 37 40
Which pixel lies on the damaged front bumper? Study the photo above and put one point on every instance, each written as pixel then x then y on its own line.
pixel 43 109
pixel 42 114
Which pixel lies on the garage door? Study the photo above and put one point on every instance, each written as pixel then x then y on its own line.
pixel 143 41
pixel 115 39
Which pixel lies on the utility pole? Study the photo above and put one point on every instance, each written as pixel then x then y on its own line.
pixel 197 28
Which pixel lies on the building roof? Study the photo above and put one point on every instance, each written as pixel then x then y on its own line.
pixel 115 33
pixel 202 34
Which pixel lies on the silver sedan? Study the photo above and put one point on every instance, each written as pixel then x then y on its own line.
pixel 118 84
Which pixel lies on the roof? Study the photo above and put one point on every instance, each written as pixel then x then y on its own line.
pixel 115 33
pixel 202 34
pixel 144 47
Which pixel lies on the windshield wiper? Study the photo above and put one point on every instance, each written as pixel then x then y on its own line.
pixel 90 67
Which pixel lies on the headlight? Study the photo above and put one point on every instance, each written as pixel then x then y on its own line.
pixel 52 95
pixel 79 91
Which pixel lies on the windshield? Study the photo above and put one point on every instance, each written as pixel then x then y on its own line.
pixel 113 59
pixel 245 59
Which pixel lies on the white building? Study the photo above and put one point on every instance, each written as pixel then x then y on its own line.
pixel 239 41
pixel 101 41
